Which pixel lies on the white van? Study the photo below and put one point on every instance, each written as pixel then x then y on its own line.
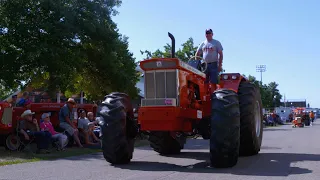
pixel 283 113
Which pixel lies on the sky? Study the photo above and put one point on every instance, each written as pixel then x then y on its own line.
pixel 284 35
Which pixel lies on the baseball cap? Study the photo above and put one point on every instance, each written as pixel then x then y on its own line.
pixel 209 31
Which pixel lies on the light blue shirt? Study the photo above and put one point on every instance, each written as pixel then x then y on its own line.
pixel 210 50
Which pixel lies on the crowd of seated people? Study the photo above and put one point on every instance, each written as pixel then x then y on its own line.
pixel 45 134
pixel 272 119
pixel 87 127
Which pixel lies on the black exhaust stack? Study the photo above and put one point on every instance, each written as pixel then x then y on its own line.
pixel 173 45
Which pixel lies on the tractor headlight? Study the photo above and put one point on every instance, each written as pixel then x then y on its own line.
pixel 233 77
pixel 225 77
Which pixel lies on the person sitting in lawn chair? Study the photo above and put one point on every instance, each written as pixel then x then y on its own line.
pixel 87 128
pixel 29 128
pixel 270 121
pixel 46 125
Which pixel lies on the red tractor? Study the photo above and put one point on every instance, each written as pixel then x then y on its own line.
pixel 177 104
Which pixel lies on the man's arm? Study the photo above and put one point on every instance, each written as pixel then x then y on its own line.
pixel 22 131
pixel 199 50
pixel 66 116
pixel 220 49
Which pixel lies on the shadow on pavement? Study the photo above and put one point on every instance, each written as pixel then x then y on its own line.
pixel 269 147
pixel 264 164
pixel 276 129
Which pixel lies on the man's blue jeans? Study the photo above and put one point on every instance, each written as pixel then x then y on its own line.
pixel 212 73
pixel 42 138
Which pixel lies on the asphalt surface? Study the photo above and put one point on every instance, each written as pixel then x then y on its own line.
pixel 287 153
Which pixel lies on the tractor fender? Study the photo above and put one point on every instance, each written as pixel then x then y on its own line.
pixel 231 81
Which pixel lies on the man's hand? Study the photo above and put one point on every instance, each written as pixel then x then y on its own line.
pixel 220 67
pixel 198 55
pixel 35 121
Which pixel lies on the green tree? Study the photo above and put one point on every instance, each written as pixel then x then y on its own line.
pixel 5 92
pixel 270 94
pixel 67 45
pixel 185 53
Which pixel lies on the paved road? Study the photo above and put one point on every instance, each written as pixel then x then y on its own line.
pixel 286 153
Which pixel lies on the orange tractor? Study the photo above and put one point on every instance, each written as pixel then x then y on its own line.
pixel 298 117
pixel 178 104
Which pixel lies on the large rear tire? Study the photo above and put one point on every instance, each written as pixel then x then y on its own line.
pixel 166 143
pixel 118 129
pixel 225 129
pixel 251 119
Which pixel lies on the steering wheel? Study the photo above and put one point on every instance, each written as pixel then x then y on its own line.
pixel 204 64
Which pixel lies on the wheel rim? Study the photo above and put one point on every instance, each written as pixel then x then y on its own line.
pixel 257 118
pixel 12 142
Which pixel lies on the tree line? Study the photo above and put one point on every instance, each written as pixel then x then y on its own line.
pixel 72 46
pixel 68 46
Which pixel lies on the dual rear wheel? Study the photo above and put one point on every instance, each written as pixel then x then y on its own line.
pixel 236 125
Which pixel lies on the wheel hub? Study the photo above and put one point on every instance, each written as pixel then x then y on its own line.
pixel 257 117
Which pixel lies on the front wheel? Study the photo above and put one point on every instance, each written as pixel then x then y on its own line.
pixel 225 129
pixel 117 141
pixel 251 120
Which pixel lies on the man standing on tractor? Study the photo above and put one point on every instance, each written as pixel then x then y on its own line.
pixel 210 49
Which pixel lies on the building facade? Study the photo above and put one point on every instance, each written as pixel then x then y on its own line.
pixel 294 103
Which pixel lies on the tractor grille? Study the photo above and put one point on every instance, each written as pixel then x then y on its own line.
pixel 160 85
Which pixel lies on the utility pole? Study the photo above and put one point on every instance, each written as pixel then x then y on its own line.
pixel 261 69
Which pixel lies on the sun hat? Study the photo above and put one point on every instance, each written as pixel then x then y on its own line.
pixel 44 115
pixel 26 113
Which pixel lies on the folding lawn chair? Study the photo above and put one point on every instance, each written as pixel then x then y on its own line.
pixel 16 141
pixel 24 144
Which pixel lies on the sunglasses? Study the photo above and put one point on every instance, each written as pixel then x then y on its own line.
pixel 208 32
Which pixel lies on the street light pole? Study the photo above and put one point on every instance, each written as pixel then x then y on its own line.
pixel 261 69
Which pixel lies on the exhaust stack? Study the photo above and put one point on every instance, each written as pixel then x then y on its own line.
pixel 173 45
